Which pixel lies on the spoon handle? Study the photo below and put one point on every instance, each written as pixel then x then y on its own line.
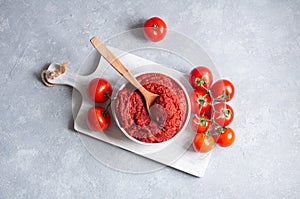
pixel 114 62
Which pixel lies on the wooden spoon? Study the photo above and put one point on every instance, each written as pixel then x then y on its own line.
pixel 118 66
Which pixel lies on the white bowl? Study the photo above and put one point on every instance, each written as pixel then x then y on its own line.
pixel 177 76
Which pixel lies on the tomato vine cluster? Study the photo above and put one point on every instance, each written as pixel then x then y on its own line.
pixel 212 114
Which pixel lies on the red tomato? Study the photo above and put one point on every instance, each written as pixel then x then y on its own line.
pixel 222 90
pixel 155 29
pixel 99 90
pixel 200 102
pixel 98 119
pixel 203 143
pixel 201 78
pixel 200 124
pixel 224 136
pixel 223 114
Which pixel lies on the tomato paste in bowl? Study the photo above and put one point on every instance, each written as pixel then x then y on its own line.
pixel 168 115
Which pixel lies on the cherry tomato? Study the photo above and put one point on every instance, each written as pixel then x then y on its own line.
pixel 224 136
pixel 155 29
pixel 203 143
pixel 222 90
pixel 99 90
pixel 200 124
pixel 200 102
pixel 223 114
pixel 98 119
pixel 201 78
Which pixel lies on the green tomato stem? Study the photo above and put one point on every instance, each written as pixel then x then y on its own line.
pixel 108 105
pixel 155 26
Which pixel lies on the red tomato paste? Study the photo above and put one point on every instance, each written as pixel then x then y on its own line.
pixel 168 113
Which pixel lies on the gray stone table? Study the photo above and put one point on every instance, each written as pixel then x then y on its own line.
pixel 256 44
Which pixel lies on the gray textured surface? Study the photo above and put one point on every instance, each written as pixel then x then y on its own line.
pixel 256 44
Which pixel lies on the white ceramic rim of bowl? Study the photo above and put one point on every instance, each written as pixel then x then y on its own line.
pixel 188 114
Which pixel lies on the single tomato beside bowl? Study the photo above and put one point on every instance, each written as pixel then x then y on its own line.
pixel 155 29
pixel 99 90
pixel 98 119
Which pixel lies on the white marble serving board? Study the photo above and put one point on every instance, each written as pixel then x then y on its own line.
pixel 178 154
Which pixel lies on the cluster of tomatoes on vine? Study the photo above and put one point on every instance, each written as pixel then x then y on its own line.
pixel 212 114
